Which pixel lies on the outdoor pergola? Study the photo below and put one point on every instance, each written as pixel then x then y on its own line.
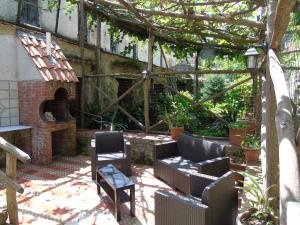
pixel 229 27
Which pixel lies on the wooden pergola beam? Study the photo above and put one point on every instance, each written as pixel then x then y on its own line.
pixel 214 18
pixel 170 73
pixel 282 18
pixel 219 2
pixel 142 18
pixel 135 85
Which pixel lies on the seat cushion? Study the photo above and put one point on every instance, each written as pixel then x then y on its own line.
pixel 198 149
pixel 181 164
pixel 111 156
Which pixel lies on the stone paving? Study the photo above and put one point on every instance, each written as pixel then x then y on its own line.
pixel 63 193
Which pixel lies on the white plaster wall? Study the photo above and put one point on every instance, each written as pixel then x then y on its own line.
pixel 143 51
pixel 8 55
pixel 47 18
pixel 8 10
pixel 9 103
pixel 26 69
pixel 68 22
pixel 156 56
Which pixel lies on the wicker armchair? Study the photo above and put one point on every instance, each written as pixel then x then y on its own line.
pixel 110 147
pixel 214 202
pixel 175 162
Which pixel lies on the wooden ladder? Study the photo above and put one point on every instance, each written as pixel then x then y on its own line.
pixel 8 179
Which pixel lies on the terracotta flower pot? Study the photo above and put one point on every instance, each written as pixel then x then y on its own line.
pixel 175 132
pixel 251 155
pixel 251 125
pixel 236 135
pixel 236 167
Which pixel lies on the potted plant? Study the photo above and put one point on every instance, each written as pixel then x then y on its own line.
pixel 260 211
pixel 251 146
pixel 176 122
pixel 250 121
pixel 237 132
pixel 237 164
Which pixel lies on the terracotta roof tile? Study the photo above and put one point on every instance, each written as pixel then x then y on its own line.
pixel 57 68
pixel 33 51
pixel 46 74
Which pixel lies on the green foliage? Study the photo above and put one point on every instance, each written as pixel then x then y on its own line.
pixel 178 113
pixel 211 133
pixel 213 85
pixel 235 101
pixel 258 200
pixel 238 125
pixel 251 141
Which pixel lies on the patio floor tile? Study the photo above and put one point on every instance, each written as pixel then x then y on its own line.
pixel 63 193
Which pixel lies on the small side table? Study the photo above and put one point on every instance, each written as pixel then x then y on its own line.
pixel 114 183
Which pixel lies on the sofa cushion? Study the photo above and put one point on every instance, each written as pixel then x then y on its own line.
pixel 198 149
pixel 181 164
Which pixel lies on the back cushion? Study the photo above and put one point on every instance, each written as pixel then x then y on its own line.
pixel 198 149
pixel 109 141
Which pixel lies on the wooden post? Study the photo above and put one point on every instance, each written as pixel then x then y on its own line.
pixel 197 75
pixel 258 106
pixel 11 196
pixel 98 49
pixel 254 91
pixel 272 156
pixel 164 56
pixel 98 54
pixel 19 11
pixel 271 142
pixel 148 80
pixel 288 161
pixel 81 36
pixel 57 15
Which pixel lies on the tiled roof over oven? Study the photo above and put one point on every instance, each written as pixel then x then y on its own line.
pixel 53 68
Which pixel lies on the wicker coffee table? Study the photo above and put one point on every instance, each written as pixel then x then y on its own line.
pixel 114 183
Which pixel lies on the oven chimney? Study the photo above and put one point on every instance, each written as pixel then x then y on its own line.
pixel 48 43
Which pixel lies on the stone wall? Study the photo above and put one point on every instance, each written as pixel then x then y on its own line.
pixel 141 144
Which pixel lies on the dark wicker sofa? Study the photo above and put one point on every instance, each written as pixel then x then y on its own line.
pixel 174 162
pixel 213 201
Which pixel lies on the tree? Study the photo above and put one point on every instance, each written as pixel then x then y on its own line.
pixel 213 85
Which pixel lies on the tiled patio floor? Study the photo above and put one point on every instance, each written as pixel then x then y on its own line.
pixel 63 193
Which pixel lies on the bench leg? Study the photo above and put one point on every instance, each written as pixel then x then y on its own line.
pixel 117 206
pixel 132 201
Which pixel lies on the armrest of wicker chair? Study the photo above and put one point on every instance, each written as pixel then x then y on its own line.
pixel 198 182
pixel 171 209
pixel 214 167
pixel 127 149
pixel 93 158
pixel 164 150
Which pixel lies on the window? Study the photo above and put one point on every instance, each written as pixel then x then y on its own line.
pixel 113 46
pixel 29 13
pixel 135 51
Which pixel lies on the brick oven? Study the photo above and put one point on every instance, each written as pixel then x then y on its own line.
pixel 44 101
